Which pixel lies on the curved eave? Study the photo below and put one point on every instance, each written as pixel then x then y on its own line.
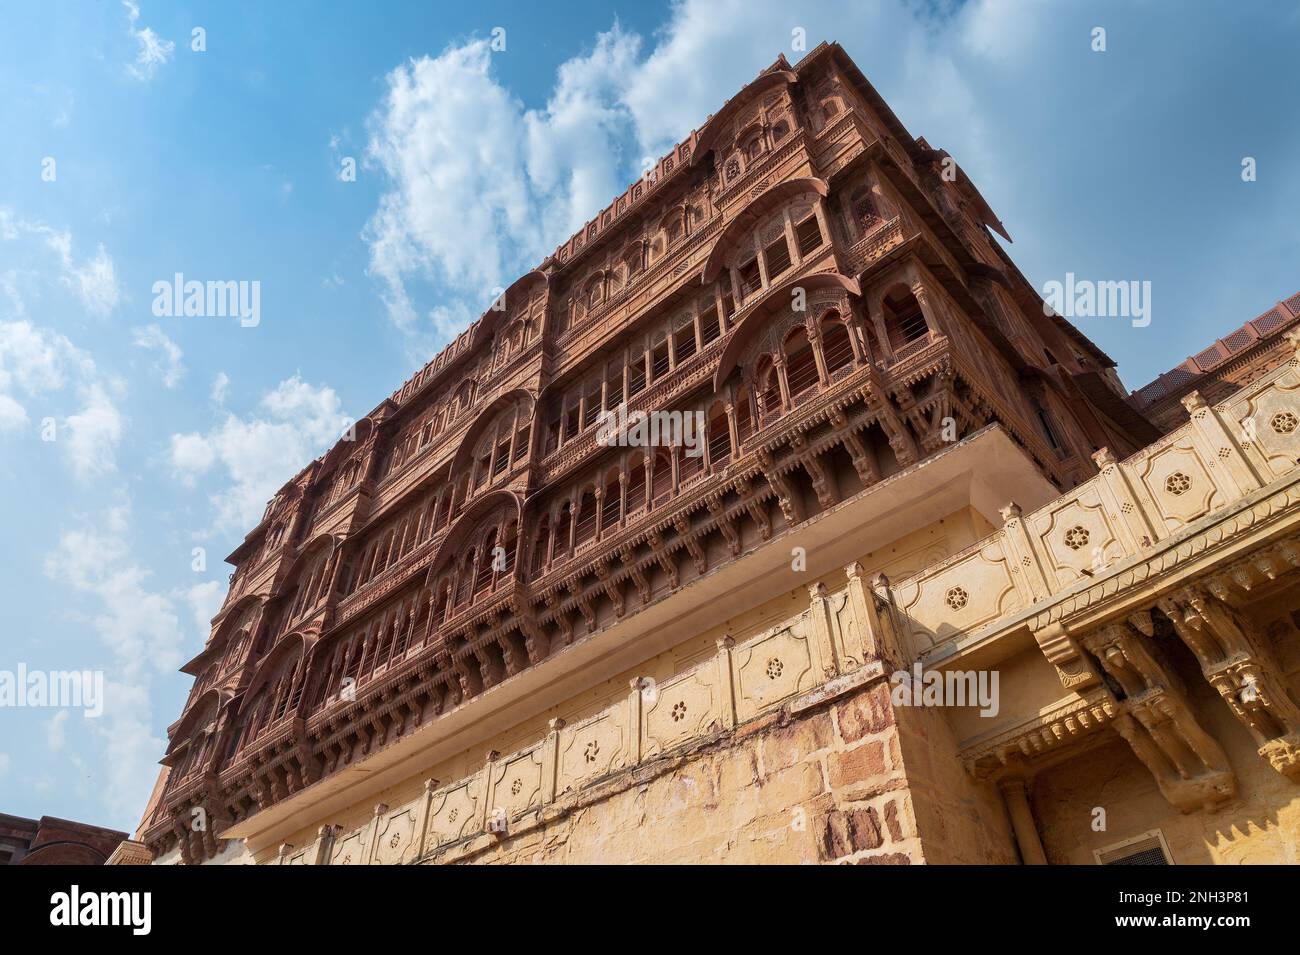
pixel 750 214
pixel 774 298
pixel 707 136
pixel 466 523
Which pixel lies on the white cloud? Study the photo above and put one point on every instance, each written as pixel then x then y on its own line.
pixel 41 366
pixel 94 433
pixel 144 634
pixel 191 455
pixel 205 600
pixel 56 731
pixel 93 281
pixel 169 365
pixel 447 132
pixel 220 385
pixel 36 364
pixel 479 188
pixel 152 52
pixel 13 416
pixel 259 452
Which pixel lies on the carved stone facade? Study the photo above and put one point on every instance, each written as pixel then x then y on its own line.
pixel 473 631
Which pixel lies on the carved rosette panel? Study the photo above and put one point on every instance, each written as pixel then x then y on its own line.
pixel 455 813
pixel 352 848
pixel 517 783
pixel 395 841
pixel 1076 535
pixel 962 596
pixel 1177 481
pixel 773 667
pixel 681 708
pixel 1268 424
pixel 593 748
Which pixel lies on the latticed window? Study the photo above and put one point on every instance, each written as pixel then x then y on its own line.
pixel 543 542
pixel 636 377
pixel 684 343
pixel 562 530
pixel 660 360
pixel 809 236
pixel 609 508
pixel 719 436
pixel 863 208
pixel 709 328
pixel 836 347
pixel 800 364
pixel 778 258
pixel 744 419
pixel 769 392
pixel 635 484
pixel 690 466
pixel 903 318
pixel 663 476
pixel 586 526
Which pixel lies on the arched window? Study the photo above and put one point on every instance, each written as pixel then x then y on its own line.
pixel 442 600
pixel 586 525
pixel 744 415
pixel 675 232
pixel 780 131
pixel 487 563
pixel 633 261
pixel 769 389
pixel 904 320
pixel 610 507
pixel 719 436
pixel 509 543
pixel 563 530
pixel 800 364
pixel 541 544
pixel 465 579
pixel 837 350
pixel 662 481
pixel 690 459
pixel 635 483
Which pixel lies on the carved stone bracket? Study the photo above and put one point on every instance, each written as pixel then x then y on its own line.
pixel 1156 720
pixel 1236 660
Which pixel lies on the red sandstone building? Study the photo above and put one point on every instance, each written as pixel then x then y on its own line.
pixel 51 841
pixel 803 273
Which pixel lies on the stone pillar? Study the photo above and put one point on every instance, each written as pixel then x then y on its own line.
pixel 1016 796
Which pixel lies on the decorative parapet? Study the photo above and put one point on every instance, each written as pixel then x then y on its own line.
pixel 1224 454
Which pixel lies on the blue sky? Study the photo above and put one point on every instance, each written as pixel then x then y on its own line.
pixel 224 164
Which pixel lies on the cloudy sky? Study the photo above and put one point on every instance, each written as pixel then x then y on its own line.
pixel 137 448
